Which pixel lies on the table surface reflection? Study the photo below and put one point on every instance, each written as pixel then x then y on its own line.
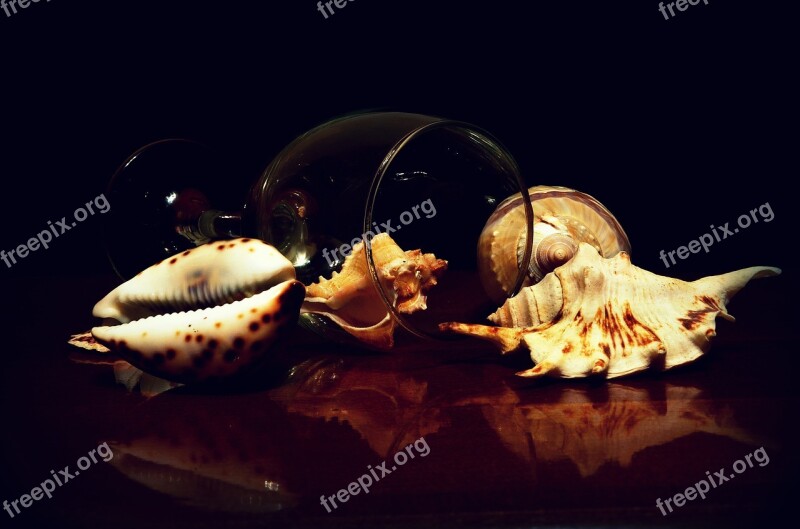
pixel 502 451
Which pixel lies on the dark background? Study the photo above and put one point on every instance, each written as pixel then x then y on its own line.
pixel 673 125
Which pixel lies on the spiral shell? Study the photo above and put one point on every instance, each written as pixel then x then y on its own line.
pixel 563 218
pixel 606 317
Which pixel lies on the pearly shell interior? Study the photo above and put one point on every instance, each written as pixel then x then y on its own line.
pixel 563 218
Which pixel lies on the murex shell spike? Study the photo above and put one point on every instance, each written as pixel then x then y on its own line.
pixel 563 218
pixel 607 317
pixel 349 298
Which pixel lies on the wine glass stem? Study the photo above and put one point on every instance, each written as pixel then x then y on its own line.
pixel 213 224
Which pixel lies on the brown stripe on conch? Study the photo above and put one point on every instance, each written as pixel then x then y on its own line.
pixel 643 337
pixel 548 324
pixel 695 318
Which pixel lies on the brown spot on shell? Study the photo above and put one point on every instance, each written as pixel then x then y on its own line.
pixel 173 260
pixel 199 338
pixel 187 252
pixel 231 356
pixel 254 326
pixel 171 353
pixel 266 317
pixel 294 294
pixel 212 344
pixel 599 364
pixel 238 342
pixel 218 324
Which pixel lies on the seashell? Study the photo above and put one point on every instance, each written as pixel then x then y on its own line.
pixel 563 218
pixel 349 298
pixel 208 312
pixel 606 317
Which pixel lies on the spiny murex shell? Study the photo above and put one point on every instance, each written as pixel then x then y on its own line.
pixel 562 219
pixel 597 316
pixel 205 313
pixel 349 298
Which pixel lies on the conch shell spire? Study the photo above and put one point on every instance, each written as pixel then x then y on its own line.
pixel 596 316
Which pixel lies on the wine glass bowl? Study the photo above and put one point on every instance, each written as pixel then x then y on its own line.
pixel 162 199
pixel 429 182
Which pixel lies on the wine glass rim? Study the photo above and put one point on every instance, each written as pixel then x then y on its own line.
pixel 117 174
pixel 503 153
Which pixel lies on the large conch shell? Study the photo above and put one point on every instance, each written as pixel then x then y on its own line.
pixel 597 316
pixel 562 219
pixel 349 298
pixel 208 312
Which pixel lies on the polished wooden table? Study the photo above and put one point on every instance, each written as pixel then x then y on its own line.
pixel 498 451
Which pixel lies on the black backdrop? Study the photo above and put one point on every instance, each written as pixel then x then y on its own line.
pixel 673 124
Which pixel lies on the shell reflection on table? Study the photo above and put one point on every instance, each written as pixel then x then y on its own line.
pixel 281 448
